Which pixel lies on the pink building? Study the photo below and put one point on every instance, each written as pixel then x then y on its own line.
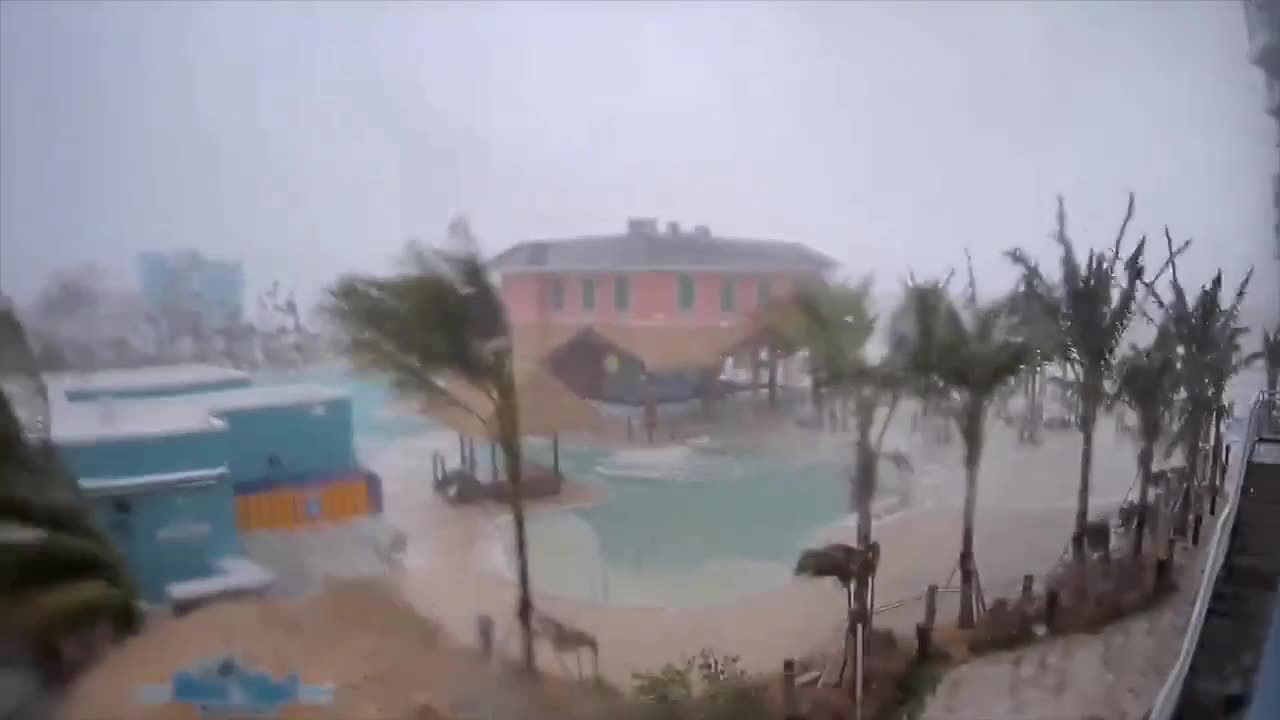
pixel 663 304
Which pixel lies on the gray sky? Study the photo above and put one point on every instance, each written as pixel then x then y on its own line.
pixel 312 139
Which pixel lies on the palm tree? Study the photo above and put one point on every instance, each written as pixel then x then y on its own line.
pixel 1147 382
pixel 61 581
pixel 1209 340
pixel 1271 356
pixel 969 352
pixel 1092 309
pixel 443 317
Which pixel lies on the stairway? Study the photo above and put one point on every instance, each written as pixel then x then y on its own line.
pixel 1219 682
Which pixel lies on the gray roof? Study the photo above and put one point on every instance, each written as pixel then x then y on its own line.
pixel 666 250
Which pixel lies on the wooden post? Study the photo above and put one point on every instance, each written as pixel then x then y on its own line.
pixel 462 451
pixel 790 708
pixel 1195 530
pixel 1028 588
pixel 471 455
pixel 1162 575
pixel 555 453
pixel 861 642
pixel 931 605
pixel 1051 609
pixel 924 642
pixel 493 462
pixel 484 632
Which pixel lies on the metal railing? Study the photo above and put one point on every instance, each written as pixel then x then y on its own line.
pixel 1166 702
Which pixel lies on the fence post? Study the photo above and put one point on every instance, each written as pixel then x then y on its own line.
pixel 790 708
pixel 1028 588
pixel 1195 529
pixel 484 630
pixel 931 605
pixel 1050 609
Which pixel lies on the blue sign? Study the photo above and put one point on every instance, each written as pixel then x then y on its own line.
pixel 228 687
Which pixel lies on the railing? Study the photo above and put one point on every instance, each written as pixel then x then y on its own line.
pixel 1166 702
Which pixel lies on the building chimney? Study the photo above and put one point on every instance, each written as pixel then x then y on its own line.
pixel 673 228
pixel 642 226
pixel 702 231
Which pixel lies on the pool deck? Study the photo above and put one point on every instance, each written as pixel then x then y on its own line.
pixel 1025 513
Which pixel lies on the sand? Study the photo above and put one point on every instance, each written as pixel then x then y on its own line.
pixel 1024 521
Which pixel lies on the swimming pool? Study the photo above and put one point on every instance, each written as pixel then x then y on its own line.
pixel 683 526
pixel 675 526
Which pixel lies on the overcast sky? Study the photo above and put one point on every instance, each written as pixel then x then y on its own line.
pixel 310 139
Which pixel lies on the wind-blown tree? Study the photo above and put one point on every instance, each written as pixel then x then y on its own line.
pixel 1034 322
pixel 1091 307
pixel 442 317
pixel 1147 382
pixel 835 322
pixel 61 582
pixel 969 351
pixel 1271 357
pixel 1209 340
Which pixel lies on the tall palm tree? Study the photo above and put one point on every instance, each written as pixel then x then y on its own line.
pixel 969 351
pixel 443 317
pixel 1208 337
pixel 1092 308
pixel 844 564
pixel 1271 357
pixel 1147 382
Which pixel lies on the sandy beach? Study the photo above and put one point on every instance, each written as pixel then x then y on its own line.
pixel 1025 511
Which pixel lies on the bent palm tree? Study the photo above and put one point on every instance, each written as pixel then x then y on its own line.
pixel 845 565
pixel 442 316
pixel 1092 318
pixel 970 354
pixel 1147 382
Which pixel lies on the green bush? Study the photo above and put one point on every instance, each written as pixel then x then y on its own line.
pixel 706 686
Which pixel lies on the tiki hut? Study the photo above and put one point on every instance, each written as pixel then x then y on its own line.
pixel 546 408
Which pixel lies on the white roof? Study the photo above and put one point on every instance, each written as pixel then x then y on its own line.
pixel 92 421
pixel 159 377
pixel 86 421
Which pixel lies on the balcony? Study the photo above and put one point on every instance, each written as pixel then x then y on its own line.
pixel 1262 19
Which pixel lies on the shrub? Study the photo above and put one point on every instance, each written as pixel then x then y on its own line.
pixel 706 686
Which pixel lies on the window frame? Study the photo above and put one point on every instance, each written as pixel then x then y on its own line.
pixel 728 295
pixel 622 294
pixel 557 292
pixel 588 294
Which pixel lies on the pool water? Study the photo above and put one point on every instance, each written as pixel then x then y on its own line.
pixel 683 526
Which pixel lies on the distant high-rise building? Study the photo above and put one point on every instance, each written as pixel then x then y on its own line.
pixel 187 283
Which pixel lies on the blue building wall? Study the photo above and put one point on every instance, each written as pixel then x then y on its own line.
pixel 171 534
pixel 305 442
pixel 130 457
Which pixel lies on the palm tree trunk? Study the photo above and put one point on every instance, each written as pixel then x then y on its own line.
pixel 509 438
pixel 773 377
pixel 973 441
pixel 1089 398
pixel 848 630
pixel 1145 457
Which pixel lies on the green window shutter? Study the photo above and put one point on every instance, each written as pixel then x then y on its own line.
pixel 764 292
pixel 726 295
pixel 621 294
pixel 557 294
pixel 686 292
pixel 588 294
